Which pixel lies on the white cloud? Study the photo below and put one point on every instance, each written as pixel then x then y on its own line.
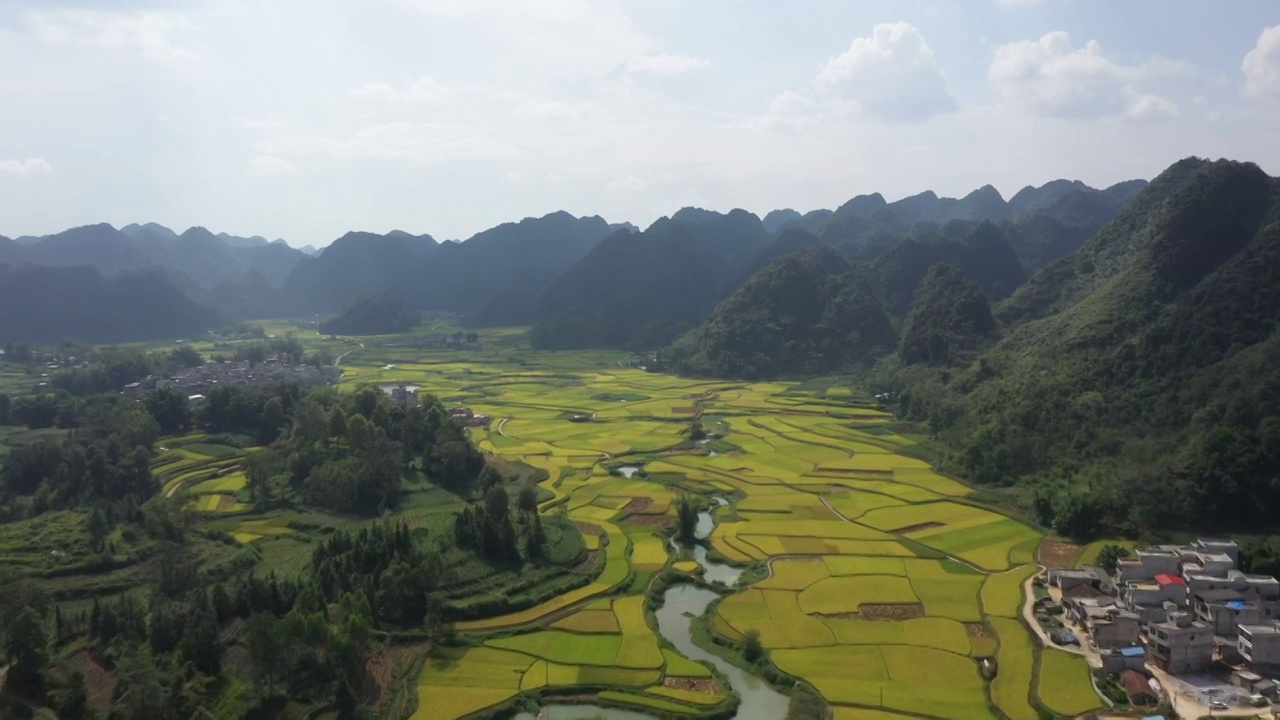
pixel 28 167
pixel 1050 77
pixel 145 33
pixel 891 75
pixel 667 64
pixel 415 142
pixel 574 37
pixel 1149 107
pixel 1262 65
pixel 423 91
pixel 690 197
pixel 560 110
pixel 262 165
pixel 629 184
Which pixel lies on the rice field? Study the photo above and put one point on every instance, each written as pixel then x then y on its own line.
pixel 884 583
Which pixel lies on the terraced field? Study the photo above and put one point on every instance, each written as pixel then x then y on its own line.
pixel 885 585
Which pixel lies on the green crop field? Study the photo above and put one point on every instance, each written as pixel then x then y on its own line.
pixel 1063 683
pixel 1011 689
pixel 876 576
pixel 1002 594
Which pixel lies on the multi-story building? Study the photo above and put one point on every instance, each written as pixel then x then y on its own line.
pixel 1259 645
pixel 1180 644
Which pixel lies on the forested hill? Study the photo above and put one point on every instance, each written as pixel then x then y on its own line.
pixel 49 304
pixel 807 313
pixel 647 287
pixel 372 315
pixel 1138 382
pixel 950 319
pixel 497 275
pixel 812 310
pixel 641 290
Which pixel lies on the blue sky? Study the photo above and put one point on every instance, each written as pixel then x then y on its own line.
pixel 306 118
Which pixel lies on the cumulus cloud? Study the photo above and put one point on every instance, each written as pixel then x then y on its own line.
pixel 262 165
pixel 423 91
pixel 1050 77
pixel 26 168
pixel 556 110
pixel 145 33
pixel 629 184
pixel 667 64
pixel 1262 66
pixel 891 75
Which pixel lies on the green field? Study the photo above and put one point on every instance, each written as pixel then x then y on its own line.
pixel 882 582
pixel 1063 683
pixel 878 562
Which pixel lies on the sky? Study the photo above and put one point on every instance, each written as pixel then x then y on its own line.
pixel 304 119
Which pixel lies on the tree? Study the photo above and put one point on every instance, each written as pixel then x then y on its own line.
pixel 272 418
pixel 70 700
pixel 6 410
pixel 527 499
pixel 1109 556
pixel 24 646
pixel 752 649
pixel 265 640
pixel 170 408
pixel 686 519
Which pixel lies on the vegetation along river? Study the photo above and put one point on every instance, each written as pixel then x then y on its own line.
pixel 681 604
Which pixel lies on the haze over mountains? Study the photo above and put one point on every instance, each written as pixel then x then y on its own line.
pixel 579 281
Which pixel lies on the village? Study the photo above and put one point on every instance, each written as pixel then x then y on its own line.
pixel 1173 626
pixel 199 380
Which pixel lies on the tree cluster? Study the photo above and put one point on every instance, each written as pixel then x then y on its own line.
pixel 498 533
pixel 349 452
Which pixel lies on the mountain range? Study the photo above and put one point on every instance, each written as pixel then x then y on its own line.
pixel 581 281
pixel 1131 384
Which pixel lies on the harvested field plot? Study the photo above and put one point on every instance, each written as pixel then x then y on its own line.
pixel 880 584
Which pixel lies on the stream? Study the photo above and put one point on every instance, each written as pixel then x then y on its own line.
pixel 681 605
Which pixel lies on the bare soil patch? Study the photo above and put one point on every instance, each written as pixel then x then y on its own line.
pixel 1056 553
pixel 916 528
pixel 698 685
pixel 383 666
pixel 653 521
pixel 233 631
pixel 589 563
pixel 99 683
pixel 894 611
pixel 854 471
pixel 638 505
pixel 588 529
pixel 977 630
pixel 226 501
pixel 684 410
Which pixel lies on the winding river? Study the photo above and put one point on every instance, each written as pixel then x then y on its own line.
pixel 681 604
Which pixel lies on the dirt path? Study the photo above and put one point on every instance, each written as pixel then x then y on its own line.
pixel 962 561
pixel 502 424
pixel 338 361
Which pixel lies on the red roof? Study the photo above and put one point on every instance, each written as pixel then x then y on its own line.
pixel 1170 579
pixel 1135 684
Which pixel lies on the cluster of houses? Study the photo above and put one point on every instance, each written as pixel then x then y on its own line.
pixel 1180 608
pixel 469 418
pixel 199 380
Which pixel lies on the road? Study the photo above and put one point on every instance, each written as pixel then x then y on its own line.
pixel 1189 707
pixel 338 361
pixel 1029 616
